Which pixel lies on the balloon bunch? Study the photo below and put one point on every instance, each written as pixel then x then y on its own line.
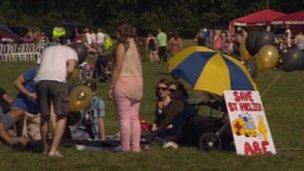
pixel 261 46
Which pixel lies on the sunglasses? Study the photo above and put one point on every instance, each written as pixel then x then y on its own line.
pixel 172 89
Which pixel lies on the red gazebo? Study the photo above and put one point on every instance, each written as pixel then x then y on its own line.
pixel 260 18
pixel 296 18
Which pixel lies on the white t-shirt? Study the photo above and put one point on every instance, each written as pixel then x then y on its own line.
pixel 288 37
pixel 100 38
pixel 53 64
pixel 93 38
pixel 88 38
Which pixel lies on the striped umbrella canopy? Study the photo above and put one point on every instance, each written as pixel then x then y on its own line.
pixel 207 70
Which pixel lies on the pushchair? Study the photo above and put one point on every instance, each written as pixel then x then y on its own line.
pixel 102 70
pixel 208 133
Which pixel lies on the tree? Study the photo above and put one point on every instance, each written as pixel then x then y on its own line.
pixel 185 16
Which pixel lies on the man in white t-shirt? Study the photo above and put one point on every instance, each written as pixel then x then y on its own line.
pixel 57 63
pixel 93 37
pixel 88 37
pixel 100 36
pixel 299 40
pixel 288 36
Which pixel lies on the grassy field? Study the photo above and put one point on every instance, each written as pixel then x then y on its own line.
pixel 284 110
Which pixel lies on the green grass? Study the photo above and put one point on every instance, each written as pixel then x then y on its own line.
pixel 284 109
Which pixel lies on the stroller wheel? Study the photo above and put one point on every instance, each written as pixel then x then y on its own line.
pixel 210 141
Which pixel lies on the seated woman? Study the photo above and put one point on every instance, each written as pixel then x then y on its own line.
pixel 163 99
pixel 177 112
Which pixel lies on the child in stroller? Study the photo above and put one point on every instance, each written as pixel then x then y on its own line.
pixel 102 70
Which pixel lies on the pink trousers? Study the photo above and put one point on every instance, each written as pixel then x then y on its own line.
pixel 129 121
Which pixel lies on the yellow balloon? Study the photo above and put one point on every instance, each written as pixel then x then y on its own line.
pixel 260 68
pixel 267 57
pixel 80 98
pixel 245 56
pixel 75 77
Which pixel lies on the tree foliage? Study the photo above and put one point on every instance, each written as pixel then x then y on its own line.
pixel 186 16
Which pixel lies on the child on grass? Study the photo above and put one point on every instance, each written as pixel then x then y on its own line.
pixel 91 124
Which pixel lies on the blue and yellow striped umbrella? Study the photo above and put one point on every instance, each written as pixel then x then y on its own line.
pixel 210 71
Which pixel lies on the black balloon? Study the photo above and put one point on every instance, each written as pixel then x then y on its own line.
pixel 293 60
pixel 262 39
pixel 252 68
pixel 82 51
pixel 251 42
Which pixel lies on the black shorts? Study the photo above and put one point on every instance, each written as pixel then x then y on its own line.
pixel 6 119
pixel 53 91
pixel 162 52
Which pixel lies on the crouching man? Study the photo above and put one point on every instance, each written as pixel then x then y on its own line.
pixel 27 101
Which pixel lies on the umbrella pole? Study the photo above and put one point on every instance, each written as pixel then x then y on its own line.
pixel 271 84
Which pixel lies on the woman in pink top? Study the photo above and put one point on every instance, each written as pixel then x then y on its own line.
pixel 127 87
pixel 217 40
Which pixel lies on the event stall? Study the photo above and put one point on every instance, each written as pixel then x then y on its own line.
pixel 6 33
pixel 296 18
pixel 260 18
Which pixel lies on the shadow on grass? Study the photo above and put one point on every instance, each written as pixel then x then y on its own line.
pixel 162 73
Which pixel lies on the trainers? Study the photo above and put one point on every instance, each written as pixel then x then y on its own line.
pixel 80 147
pixel 45 152
pixel 145 147
pixel 117 149
pixel 55 154
pixel 170 144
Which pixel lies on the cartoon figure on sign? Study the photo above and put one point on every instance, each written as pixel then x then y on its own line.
pixel 262 128
pixel 244 125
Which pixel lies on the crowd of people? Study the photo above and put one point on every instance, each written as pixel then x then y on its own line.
pixel 230 44
pixel 163 46
pixel 43 89
pixel 160 45
pixel 43 98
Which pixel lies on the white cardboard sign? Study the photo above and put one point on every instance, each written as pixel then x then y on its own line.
pixel 248 123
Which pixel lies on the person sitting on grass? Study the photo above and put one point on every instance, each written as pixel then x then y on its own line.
pixel 163 99
pixel 91 124
pixel 26 100
pixel 177 112
pixel 8 118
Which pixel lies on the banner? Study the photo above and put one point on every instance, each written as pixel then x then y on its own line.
pixel 248 122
